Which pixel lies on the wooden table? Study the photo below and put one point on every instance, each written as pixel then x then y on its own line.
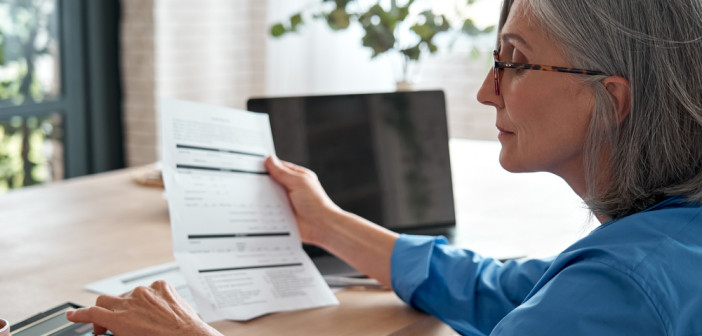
pixel 56 238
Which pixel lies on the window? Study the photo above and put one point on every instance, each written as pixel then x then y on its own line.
pixel 59 90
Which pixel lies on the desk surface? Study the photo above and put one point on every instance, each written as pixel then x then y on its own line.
pixel 58 237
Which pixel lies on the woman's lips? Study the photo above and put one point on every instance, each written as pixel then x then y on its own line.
pixel 503 132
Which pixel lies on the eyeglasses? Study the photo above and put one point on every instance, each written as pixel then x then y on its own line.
pixel 497 69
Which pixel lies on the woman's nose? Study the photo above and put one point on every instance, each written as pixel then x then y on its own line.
pixel 486 94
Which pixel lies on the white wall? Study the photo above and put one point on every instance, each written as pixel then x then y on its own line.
pixel 317 60
pixel 221 52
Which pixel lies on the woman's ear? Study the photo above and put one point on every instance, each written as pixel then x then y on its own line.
pixel 620 89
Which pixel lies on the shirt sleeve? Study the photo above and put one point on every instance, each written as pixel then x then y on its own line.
pixel 468 292
pixel 586 298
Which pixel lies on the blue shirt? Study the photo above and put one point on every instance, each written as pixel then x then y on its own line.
pixel 639 275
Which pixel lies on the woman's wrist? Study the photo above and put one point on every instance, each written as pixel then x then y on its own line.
pixel 362 244
pixel 326 226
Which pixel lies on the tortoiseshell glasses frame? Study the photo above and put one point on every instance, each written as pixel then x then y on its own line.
pixel 499 66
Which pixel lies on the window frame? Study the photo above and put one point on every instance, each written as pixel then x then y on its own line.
pixel 90 103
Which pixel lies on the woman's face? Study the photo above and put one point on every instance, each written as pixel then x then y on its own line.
pixel 542 116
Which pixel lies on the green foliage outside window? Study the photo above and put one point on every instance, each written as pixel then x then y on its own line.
pixel 27 42
pixel 23 147
pixel 28 75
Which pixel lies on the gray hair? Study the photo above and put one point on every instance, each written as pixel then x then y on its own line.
pixel 656 152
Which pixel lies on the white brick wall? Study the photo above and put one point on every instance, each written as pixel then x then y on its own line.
pixel 209 51
pixel 138 81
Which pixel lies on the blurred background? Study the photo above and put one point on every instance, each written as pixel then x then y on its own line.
pixel 80 80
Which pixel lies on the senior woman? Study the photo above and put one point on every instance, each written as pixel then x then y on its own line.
pixel 606 94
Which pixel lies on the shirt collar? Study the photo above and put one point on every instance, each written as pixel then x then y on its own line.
pixel 670 201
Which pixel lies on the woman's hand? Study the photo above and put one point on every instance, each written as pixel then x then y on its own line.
pixel 313 208
pixel 362 244
pixel 155 310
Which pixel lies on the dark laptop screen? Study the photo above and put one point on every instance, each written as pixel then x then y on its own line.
pixel 383 156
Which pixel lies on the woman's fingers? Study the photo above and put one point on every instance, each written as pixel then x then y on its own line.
pixel 156 310
pixel 100 317
pixel 295 168
pixel 109 302
pixel 278 171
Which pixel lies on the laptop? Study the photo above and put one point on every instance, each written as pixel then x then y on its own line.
pixel 382 156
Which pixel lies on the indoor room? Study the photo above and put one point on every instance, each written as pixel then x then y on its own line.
pixel 349 167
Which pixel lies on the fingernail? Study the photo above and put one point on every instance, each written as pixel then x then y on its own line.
pixel 69 313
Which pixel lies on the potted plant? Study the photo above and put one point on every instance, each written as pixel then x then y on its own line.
pixel 392 29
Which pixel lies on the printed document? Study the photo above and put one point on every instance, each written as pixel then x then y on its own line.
pixel 234 234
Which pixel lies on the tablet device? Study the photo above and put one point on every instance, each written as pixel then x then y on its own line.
pixel 52 322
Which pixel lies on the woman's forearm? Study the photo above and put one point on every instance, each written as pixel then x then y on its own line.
pixel 362 244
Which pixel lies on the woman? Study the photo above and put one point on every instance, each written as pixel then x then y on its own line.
pixel 619 119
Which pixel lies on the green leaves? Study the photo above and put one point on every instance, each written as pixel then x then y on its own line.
pixel 341 3
pixel 470 28
pixel 432 25
pixel 412 53
pixel 379 26
pixel 382 26
pixel 426 31
pixel 338 19
pixel 295 21
pixel 279 29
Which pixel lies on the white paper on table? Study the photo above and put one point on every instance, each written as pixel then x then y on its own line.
pixel 234 233
pixel 125 282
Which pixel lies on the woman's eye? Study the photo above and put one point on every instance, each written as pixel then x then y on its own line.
pixel 518 57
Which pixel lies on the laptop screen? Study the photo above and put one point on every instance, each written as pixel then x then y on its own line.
pixel 382 156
